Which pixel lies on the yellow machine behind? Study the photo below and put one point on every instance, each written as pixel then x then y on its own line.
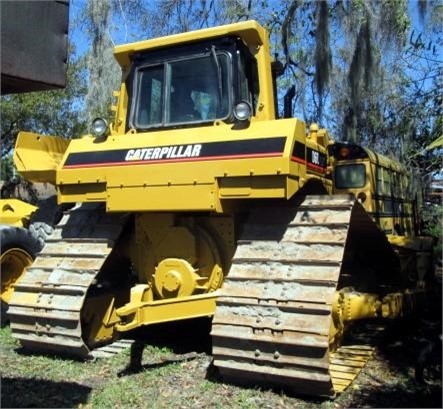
pixel 17 246
pixel 199 201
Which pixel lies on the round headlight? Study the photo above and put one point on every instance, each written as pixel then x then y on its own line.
pixel 243 111
pixel 99 126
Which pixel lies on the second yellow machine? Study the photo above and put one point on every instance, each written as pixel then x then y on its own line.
pixel 198 201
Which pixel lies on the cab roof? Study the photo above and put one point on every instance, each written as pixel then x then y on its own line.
pixel 250 31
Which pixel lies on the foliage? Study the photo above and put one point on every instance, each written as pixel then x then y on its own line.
pixel 97 20
pixel 102 68
pixel 7 168
pixel 432 215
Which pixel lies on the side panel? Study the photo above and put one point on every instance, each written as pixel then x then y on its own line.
pixel 37 157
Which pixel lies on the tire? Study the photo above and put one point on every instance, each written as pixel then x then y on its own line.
pixel 18 248
pixel 43 220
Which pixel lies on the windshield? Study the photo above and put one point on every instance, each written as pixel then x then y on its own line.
pixel 183 91
pixel 350 176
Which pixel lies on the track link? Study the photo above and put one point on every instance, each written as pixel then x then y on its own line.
pixel 272 319
pixel 45 310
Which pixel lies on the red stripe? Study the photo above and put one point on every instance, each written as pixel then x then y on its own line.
pixel 309 165
pixel 298 160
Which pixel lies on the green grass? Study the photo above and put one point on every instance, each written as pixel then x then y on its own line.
pixel 175 377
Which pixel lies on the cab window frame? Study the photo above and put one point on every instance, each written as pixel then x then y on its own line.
pixel 227 47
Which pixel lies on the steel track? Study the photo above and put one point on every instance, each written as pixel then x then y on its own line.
pixel 45 310
pixel 272 320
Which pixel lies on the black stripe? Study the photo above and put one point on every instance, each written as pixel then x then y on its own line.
pixel 208 150
pixel 311 156
pixel 316 158
pixel 299 150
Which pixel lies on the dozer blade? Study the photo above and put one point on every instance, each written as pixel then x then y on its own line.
pixel 46 308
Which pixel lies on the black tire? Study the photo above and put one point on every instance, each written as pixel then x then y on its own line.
pixel 11 236
pixel 43 220
pixel 16 237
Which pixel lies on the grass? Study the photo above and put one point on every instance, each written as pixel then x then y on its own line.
pixel 177 373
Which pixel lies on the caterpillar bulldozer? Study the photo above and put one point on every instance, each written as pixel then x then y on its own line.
pixel 199 201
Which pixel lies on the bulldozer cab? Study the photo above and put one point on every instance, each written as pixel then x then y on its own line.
pixel 196 84
pixel 195 81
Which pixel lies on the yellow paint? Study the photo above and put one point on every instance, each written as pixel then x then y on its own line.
pixel 15 212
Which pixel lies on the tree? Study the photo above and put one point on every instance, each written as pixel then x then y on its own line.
pixel 99 21
pixel 102 68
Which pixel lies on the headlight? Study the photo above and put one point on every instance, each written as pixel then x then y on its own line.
pixel 99 127
pixel 243 111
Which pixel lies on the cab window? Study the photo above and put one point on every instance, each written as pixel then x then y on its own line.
pixel 189 90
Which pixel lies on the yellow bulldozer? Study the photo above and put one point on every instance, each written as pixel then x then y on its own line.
pixel 199 201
